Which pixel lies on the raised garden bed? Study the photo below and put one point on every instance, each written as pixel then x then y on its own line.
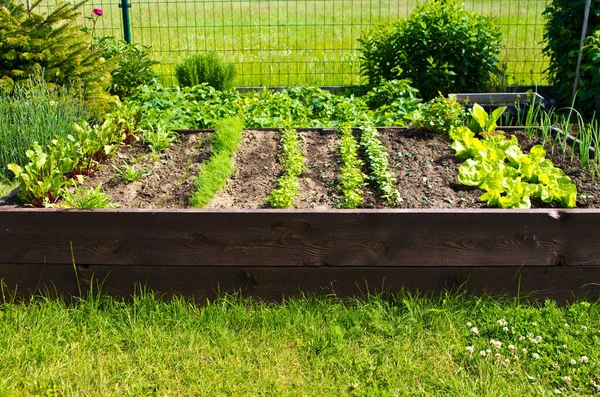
pixel 440 236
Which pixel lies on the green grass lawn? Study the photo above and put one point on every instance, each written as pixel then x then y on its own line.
pixel 303 41
pixel 453 345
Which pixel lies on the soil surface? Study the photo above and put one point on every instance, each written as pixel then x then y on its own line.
pixel 424 164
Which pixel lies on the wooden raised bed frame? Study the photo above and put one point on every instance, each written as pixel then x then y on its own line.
pixel 540 253
pixel 275 253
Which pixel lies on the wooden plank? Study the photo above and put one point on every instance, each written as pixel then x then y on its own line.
pixel 301 238
pixel 273 283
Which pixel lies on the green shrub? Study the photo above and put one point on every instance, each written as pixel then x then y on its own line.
pixel 133 67
pixel 441 47
pixel 440 114
pixel 589 89
pixel 52 45
pixel 206 68
pixel 35 112
pixel 562 35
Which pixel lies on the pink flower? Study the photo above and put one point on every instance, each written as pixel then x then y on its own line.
pixel 97 11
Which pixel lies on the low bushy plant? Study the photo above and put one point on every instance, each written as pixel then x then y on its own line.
pixel 440 114
pixel 562 36
pixel 132 65
pixel 206 68
pixel 53 45
pixel 441 47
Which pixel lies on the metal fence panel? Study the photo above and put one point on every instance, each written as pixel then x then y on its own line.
pixel 292 42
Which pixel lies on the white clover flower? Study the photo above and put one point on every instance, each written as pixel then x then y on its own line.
pixel 564 346
pixel 521 338
pixel 537 340
pixel 482 352
pixel 497 355
pixel 488 352
pixel 470 349
pixel 502 322
pixel 567 379
pixel 534 323
pixel 584 359
pixel 573 362
pixel 469 324
pixel 497 344
pixel 505 329
pixel 583 327
pixel 536 356
pixel 511 347
pixel 524 350
pixel 567 325
pixel 475 331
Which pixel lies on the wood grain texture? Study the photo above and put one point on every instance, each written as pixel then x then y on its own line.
pixel 297 238
pixel 273 283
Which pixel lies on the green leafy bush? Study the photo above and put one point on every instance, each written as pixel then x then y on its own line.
pixel 589 88
pixel 562 35
pixel 206 68
pixel 133 66
pixel 441 47
pixel 441 114
pixel 52 45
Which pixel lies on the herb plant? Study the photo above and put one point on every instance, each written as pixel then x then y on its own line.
pixel 214 174
pixel 440 115
pixel 129 173
pixel 377 161
pixel 352 179
pixel 78 197
pixel 159 139
pixel 206 68
pixel 292 160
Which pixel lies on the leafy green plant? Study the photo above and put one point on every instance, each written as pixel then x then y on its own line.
pixel 54 46
pixel 441 47
pixel 90 198
pixel 159 139
pixel 377 160
pixel 35 112
pixel 292 161
pixel 41 180
pixel 213 176
pixel 440 115
pixel 394 103
pixel 481 121
pixel 129 173
pixel 352 179
pixel 132 65
pixel 206 68
pixel 509 177
pixel 562 36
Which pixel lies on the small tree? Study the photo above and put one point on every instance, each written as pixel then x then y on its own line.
pixel 51 45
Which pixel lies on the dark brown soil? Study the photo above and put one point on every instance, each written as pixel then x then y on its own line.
pixel 257 171
pixel 424 164
pixel 169 182
pixel 318 183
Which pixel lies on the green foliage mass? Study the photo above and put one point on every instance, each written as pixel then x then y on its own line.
pixel 562 35
pixel 441 47
pixel 214 174
pixel 206 68
pixel 132 65
pixel 351 180
pixel 292 161
pixel 52 45
pixel 35 112
pixel 440 114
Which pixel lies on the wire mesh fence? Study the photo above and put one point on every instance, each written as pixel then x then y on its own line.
pixel 293 42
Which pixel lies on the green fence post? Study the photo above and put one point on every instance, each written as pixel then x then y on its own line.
pixel 125 6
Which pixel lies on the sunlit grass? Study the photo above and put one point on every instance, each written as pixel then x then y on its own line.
pixel 291 42
pixel 453 345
